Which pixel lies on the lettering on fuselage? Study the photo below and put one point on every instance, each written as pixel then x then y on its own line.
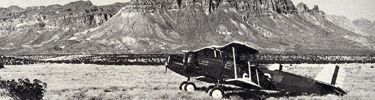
pixel 203 62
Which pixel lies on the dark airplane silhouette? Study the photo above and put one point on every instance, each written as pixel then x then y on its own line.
pixel 236 64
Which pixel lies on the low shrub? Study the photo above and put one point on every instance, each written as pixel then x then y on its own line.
pixel 23 89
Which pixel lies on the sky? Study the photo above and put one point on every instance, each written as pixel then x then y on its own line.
pixel 27 3
pixel 353 9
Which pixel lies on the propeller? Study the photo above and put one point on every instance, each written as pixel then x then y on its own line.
pixel 166 64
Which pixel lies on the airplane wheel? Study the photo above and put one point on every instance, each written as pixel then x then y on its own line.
pixel 209 88
pixel 216 93
pixel 190 87
pixel 182 86
pixel 209 91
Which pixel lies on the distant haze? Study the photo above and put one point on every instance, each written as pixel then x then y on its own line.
pixel 353 9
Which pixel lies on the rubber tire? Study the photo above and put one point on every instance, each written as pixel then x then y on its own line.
pixel 182 86
pixel 216 93
pixel 190 87
pixel 209 91
pixel 209 88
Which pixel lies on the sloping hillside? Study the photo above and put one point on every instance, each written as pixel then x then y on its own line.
pixel 140 28
pixel 40 29
pixel 169 26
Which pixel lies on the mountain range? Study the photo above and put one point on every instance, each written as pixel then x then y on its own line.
pixel 361 26
pixel 169 26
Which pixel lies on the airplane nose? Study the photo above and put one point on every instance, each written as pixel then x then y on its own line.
pixel 175 63
pixel 167 60
pixel 166 63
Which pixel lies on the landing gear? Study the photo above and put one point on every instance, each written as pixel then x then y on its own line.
pixel 190 87
pixel 187 86
pixel 182 85
pixel 209 89
pixel 216 92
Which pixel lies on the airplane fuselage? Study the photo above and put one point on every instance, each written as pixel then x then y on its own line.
pixel 236 64
pixel 215 69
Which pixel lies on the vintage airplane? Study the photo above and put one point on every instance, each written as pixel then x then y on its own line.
pixel 236 64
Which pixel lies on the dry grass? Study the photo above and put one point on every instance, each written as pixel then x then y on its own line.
pixel 359 82
pixel 79 81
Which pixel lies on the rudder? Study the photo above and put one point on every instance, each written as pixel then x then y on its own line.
pixel 332 75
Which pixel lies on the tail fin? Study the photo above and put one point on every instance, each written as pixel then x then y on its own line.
pixel 275 67
pixel 332 75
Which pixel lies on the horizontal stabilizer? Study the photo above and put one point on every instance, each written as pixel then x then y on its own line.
pixel 340 78
pixel 332 75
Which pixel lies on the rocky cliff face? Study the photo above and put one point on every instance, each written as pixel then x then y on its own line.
pixel 34 27
pixel 169 26
pixel 56 15
pixel 252 7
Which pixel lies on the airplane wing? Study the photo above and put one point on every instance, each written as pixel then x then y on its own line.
pixel 243 80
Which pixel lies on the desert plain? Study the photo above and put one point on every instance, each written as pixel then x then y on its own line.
pixel 119 82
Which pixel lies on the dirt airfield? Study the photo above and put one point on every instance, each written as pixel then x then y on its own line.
pixel 113 82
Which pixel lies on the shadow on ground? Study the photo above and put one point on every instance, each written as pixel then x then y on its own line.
pixel 251 94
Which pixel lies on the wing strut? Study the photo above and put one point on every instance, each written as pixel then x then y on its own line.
pixel 249 65
pixel 256 72
pixel 234 62
pixel 215 53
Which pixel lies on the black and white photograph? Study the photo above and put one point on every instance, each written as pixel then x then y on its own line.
pixel 187 49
